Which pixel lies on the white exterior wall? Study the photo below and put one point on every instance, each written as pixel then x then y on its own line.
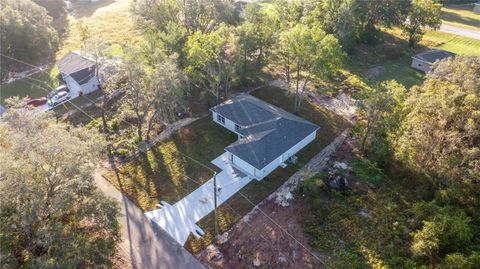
pixel 260 174
pixel 230 125
pixel 90 86
pixel 420 65
pixel 75 88
pixel 289 153
pixel 242 165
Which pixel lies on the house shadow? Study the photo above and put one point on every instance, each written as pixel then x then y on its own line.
pixel 82 10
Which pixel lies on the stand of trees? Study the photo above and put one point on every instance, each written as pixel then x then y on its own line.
pixel 51 214
pixel 26 33
pixel 434 131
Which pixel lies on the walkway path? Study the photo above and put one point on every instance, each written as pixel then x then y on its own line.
pixel 179 220
pixel 146 247
pixel 460 31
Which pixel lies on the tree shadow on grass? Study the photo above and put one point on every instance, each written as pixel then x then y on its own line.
pixel 82 10
pixel 454 17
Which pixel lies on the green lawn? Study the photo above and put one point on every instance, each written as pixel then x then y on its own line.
pixel 108 20
pixel 161 174
pixel 35 86
pixel 398 69
pixel 461 16
pixel 454 43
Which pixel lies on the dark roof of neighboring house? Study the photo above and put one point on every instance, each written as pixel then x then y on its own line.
pixel 78 67
pixel 433 55
pixel 268 130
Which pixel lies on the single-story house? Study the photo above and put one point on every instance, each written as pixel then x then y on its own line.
pixel 267 135
pixel 79 73
pixel 424 61
pixel 476 7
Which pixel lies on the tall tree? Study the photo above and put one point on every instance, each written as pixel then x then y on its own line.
pixel 422 14
pixel 57 9
pixel 372 14
pixel 207 62
pixel 313 54
pixel 194 15
pixel 25 32
pixel 441 130
pixel 381 112
pixel 52 215
pixel 153 94
pixel 336 17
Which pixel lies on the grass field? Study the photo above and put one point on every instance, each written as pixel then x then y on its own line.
pixel 108 20
pixel 35 86
pixel 461 16
pixel 454 43
pixel 161 174
pixel 398 68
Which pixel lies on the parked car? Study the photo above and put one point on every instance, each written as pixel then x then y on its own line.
pixel 60 97
pixel 37 102
pixel 57 90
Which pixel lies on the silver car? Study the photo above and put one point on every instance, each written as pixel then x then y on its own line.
pixel 58 98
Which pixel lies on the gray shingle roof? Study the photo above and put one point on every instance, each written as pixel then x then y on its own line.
pixel 78 67
pixel 268 130
pixel 433 55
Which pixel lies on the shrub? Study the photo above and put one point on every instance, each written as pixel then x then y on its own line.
pixel 368 171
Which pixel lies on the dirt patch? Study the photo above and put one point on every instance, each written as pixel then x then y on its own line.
pixel 271 235
pixel 258 242
pixel 375 71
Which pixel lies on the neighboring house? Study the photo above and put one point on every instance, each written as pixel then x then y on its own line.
pixel 476 7
pixel 79 73
pixel 268 136
pixel 424 61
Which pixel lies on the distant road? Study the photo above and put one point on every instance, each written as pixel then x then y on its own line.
pixel 460 31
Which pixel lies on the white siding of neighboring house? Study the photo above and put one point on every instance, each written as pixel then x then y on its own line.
pixel 420 65
pixel 259 174
pixel 86 88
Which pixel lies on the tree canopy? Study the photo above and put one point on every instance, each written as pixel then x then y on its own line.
pixel 52 215
pixel 26 32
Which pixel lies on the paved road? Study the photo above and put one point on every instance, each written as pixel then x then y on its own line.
pixel 460 31
pixel 146 247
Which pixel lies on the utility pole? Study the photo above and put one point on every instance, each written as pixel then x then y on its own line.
pixel 215 202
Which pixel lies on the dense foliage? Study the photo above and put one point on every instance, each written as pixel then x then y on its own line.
pixel 52 215
pixel 26 32
pixel 433 132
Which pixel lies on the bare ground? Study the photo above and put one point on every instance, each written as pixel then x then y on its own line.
pixel 260 243
pixel 271 235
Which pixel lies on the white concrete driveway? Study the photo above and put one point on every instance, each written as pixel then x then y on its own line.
pixel 179 220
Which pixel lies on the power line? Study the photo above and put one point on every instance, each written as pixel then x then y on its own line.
pixel 224 202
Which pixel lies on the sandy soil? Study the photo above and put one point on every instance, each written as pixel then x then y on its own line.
pixel 260 243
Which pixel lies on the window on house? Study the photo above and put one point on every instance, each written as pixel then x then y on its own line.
pixel 237 127
pixel 221 119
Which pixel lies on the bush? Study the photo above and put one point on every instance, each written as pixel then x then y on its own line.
pixel 366 170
